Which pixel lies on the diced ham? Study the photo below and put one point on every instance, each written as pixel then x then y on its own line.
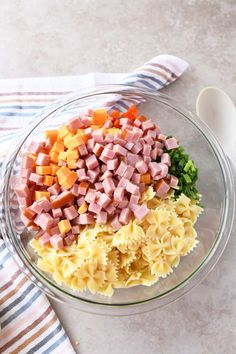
pixel 109 138
pixel 112 164
pixel 141 166
pixel 75 190
pixel 85 219
pixel 141 211
pixel 82 175
pixel 83 150
pixel 132 159
pixel 173 181
pixel 54 230
pixel 27 162
pixel 149 140
pixel 120 141
pixel 70 212
pixel 90 196
pixel 119 194
pixel 132 188
pixel 147 159
pixel 123 182
pixel 24 201
pixel 25 172
pixel 56 242
pixel 37 208
pixel 38 179
pixel 90 144
pixel 86 122
pixel 136 148
pixel 165 158
pixel 44 239
pixel 34 147
pixel 129 145
pixel 98 135
pixel 171 143
pixel 88 132
pixel 22 190
pixel 154 168
pixel 94 208
pixel 108 153
pixel 44 220
pixel 125 216
pixel 62 163
pixel 98 186
pixel 75 229
pixel 148 124
pixel 147 150
pixel 106 174
pixel 45 204
pixel 91 162
pixel 80 201
pixel 129 172
pixel 82 188
pixel 54 189
pixel 137 123
pixel 108 185
pixel 75 123
pixel 142 187
pixel 116 225
pixel 42 159
pixel 136 178
pixel 57 213
pixel 69 239
pixel 98 149
pixel 119 150
pixel 110 209
pixel 151 133
pixel 102 217
pixel 80 163
pixel 154 153
pixel 161 137
pixel 161 188
pixel 103 201
pixel 121 169
pixel 62 199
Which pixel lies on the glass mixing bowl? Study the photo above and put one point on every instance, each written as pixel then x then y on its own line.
pixel 215 184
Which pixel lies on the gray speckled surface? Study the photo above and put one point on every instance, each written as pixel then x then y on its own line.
pixel 42 38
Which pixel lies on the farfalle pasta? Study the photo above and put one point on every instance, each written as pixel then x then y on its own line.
pixel 139 253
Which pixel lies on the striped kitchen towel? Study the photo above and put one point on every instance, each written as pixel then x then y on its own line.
pixel 29 324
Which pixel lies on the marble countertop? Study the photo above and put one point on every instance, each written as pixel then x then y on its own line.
pixel 68 37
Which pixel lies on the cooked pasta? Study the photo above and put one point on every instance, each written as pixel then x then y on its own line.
pixel 137 254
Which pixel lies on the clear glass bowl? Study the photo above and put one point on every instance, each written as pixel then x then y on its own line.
pixel 215 184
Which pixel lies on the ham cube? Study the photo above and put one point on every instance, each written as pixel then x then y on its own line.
pixel 90 144
pixel 171 143
pixel 154 153
pixel 56 242
pixel 148 124
pixel 25 172
pixel 119 194
pixel 80 163
pixel 86 219
pixel 108 153
pixel 82 188
pixel 161 137
pixel 165 158
pixel 91 162
pixel 136 178
pixel 42 159
pixel 105 175
pixel 54 230
pixel 147 150
pixel 88 132
pixel 119 150
pixel 94 208
pixel 75 123
pixel 132 188
pixel 108 185
pixel 129 172
pixel 82 175
pixel 83 150
pixel 44 239
pixel 54 189
pixel 141 166
pixel 137 122
pixel 125 216
pixel 75 190
pixel 154 169
pixel 45 204
pixel 124 203
pixel 80 201
pixel 86 122
pixel 69 239
pixel 90 196
pixel 141 211
pixel 110 209
pixel 98 149
pixel 137 148
pixel 27 162
pixel 44 220
pixel 147 159
pixel 161 188
pixel 132 159
pixel 57 213
pixel 149 140
pixel 152 134
pixel 70 212
pixel 93 175
pixel 109 138
pixel 103 200
pixel 37 208
pixel 116 225
pixel 173 181
pixel 24 201
pixel 112 164
pixel 34 147
pixel 129 145
pixel 123 182
pixel 121 169
pixel 98 186
pixel 142 187
pixel 75 229
pixel 102 217
pixel 22 190
pixel 98 135
pixel 38 179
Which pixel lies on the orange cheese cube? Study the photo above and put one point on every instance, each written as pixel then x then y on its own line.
pixel 72 155
pixel 64 226
pixel 74 141
pixel 113 131
pixel 48 180
pixel 43 170
pixel 57 147
pixel 83 208
pixel 40 194
pixel 54 156
pixel 66 177
pixel 55 168
pixel 71 164
pixel 51 135
pixel 99 116
pixel 63 131
pixel 62 156
pixel 63 172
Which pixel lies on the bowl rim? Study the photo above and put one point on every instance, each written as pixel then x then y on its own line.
pixel 227 217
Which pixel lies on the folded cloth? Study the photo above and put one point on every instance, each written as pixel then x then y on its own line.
pixel 29 324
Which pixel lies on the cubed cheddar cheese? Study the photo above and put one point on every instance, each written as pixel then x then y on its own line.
pixel 63 132
pixel 64 226
pixel 66 177
pixel 48 180
pixel 57 147
pixel 43 170
pixel 55 168
pixel 54 156
pixel 99 116
pixel 51 135
pixel 83 208
pixel 71 164
pixel 72 142
pixel 40 194
pixel 72 155
pixel 62 156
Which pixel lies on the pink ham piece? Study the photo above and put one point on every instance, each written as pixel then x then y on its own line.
pixel 134 199
pixel 149 140
pixel 98 186
pixel 57 213
pixel 27 162
pixel 136 148
pixel 94 208
pixel 102 217
pixel 129 172
pixel 132 159
pixel 70 212
pixel 108 153
pixel 141 166
pixel 110 209
pixel 88 132
pixel 132 188
pixel 137 123
pixel 106 174
pixel 45 204
pixel 129 145
pixel 44 239
pixel 161 137
pixel 173 181
pixel 171 143
pixel 61 163
pixel 98 149
pixel 54 230
pixel 44 220
pixel 80 201
pixel 125 216
pixel 69 239
pixel 86 122
pixel 124 203
pixel 148 124
pixel 119 150
pixel 154 168
pixel 82 188
pixel 141 211
pixel 154 153
pixel 37 208
pixel 80 163
pixel 83 150
pixel 112 164
pixel 26 221
pixel 108 185
pixel 91 162
pixel 82 175
pixel 121 169
pixel 34 147
pixel 116 225
pixel 98 135
pixel 123 182
pixel 86 219
pixel 22 190
pixel 25 202
pixel 136 178
pixel 152 134
pixel 56 242
pixel 42 159
pixel 54 189
pixel 104 201
pixel 90 144
pixel 161 188
pixel 38 179
pixel 25 172
pixel 75 229
pixel 119 194
pixel 75 190
pixel 147 159
pixel 90 196
pixel 75 123
pixel 165 158
pixel 109 138
pixel 147 150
